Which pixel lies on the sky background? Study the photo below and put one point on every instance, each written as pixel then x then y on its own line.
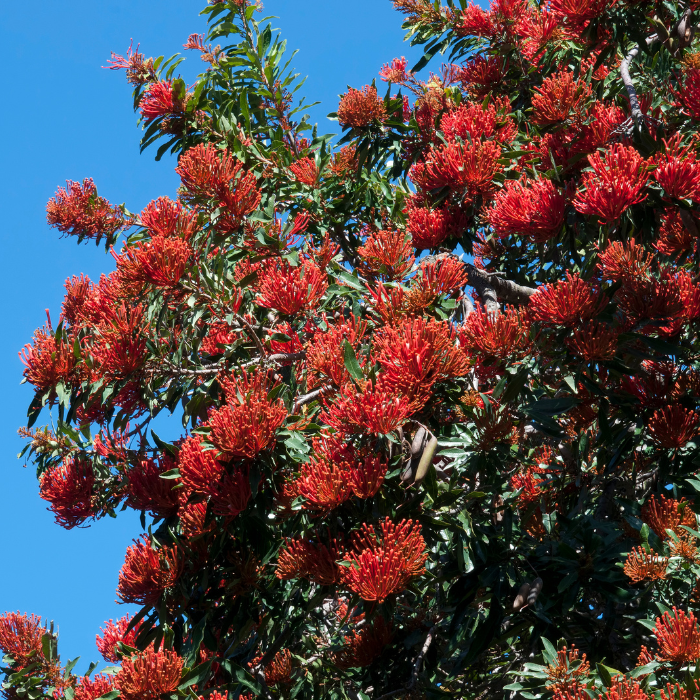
pixel 67 118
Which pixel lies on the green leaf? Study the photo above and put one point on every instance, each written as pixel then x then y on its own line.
pixel 351 363
pixel 549 652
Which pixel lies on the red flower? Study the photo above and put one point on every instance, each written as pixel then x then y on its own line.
pixel 169 219
pixel 472 121
pixel 652 298
pixel 148 572
pixel 677 692
pixel 112 634
pixel 206 170
pixel 160 261
pixel 689 94
pixel 93 688
pixel 79 211
pixel 674 237
pixel 417 353
pixel 594 342
pixel 148 491
pixel 305 171
pixel 578 12
pixel 160 100
pixel 625 261
pixel 279 670
pixel 219 337
pixel 323 483
pixel 247 424
pixel 139 70
pixel 359 108
pixel 324 352
pixel 395 72
pixel 237 201
pixel 119 346
pixel 20 637
pixel 673 426
pixel 677 170
pixel 623 689
pixel 386 254
pixel 559 97
pixel 374 409
pixel 482 75
pixel 149 674
pixel 678 636
pixel 290 289
pixel 497 336
pixel 568 302
pixel 474 21
pixel 69 489
pixel 531 208
pixel 301 558
pixel 662 514
pixel 641 565
pixel 47 360
pixel 77 291
pixel 442 276
pixel 367 475
pixel 362 647
pixel 199 467
pixel 344 161
pixel 382 565
pixel 616 183
pixel 430 228
pixel 457 166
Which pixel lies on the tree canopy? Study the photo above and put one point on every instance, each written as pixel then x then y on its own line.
pixel 438 377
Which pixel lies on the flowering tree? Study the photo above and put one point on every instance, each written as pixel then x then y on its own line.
pixel 400 474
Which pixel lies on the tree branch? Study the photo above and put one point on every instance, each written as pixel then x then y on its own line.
pixel 488 285
pixel 419 659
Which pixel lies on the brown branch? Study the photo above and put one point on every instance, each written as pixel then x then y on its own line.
pixel 419 659
pixel 308 398
pixel 491 287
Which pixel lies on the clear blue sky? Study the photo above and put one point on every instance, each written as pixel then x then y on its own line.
pixel 66 118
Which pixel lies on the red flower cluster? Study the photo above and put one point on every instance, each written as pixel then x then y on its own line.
pixel 672 427
pixel 93 688
pixel 246 424
pixel 416 354
pixel 290 289
pixel 20 637
pixel 386 254
pixel 324 352
pixel 279 670
pixel 363 646
pixel 149 674
pixel 384 564
pixel 69 488
pixel 373 408
pixel 79 211
pixel 678 636
pixel 305 171
pixel 47 360
pixel 662 514
pixel 559 97
pixel 567 303
pixel 301 558
pixel 430 228
pixel 359 108
pixel 161 100
pixel 112 634
pixel 641 565
pixel 148 491
pixel 617 182
pixel 531 208
pixel 148 572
